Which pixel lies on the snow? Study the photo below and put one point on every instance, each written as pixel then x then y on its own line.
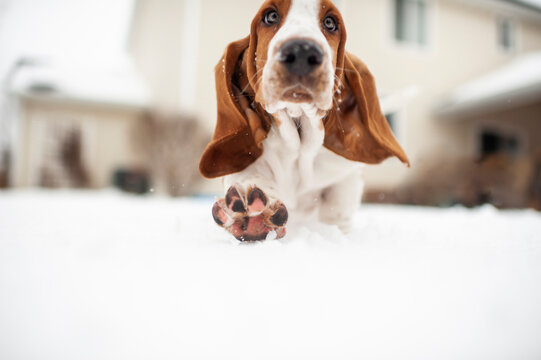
pixel 87 275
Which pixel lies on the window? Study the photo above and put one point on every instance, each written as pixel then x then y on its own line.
pixel 392 120
pixel 506 31
pixel 494 143
pixel 411 21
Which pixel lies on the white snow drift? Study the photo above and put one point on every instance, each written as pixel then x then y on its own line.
pixel 106 276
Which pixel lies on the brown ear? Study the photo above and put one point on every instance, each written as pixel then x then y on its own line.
pixel 355 128
pixel 242 125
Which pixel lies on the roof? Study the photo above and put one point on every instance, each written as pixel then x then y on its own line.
pixel 524 9
pixel 515 84
pixel 106 84
pixel 531 4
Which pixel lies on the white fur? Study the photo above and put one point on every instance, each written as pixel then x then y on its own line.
pixel 295 168
pixel 302 21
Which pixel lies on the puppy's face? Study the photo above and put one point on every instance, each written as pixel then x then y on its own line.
pixel 295 60
pixel 297 50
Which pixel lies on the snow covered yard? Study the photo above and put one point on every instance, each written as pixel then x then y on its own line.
pixel 88 275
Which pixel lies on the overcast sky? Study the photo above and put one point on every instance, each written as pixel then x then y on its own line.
pixel 62 29
pixel 75 32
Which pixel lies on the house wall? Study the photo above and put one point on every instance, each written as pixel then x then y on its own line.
pixel 107 139
pixel 523 123
pixel 462 46
pixel 156 46
pixel 221 24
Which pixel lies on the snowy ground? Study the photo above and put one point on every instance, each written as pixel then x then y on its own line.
pixel 109 276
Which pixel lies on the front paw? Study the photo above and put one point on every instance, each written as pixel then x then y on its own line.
pixel 250 215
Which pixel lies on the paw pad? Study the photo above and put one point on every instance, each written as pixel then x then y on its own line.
pixel 250 217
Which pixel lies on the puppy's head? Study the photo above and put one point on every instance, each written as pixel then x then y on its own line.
pixel 298 46
pixel 295 55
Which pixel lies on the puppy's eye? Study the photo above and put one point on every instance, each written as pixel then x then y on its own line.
pixel 330 24
pixel 271 17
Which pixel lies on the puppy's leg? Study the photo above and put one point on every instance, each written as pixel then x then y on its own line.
pixel 341 200
pixel 248 212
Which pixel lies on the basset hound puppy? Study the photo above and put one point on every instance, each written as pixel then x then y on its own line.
pixel 297 118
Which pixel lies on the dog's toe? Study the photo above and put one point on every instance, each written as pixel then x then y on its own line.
pixel 281 215
pixel 233 200
pixel 219 213
pixel 257 200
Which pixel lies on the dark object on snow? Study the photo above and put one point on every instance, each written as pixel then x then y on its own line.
pixel 536 187
pixel 4 169
pixel 135 182
pixel 501 180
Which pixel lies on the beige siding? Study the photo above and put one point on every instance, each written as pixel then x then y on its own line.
pixel 462 46
pixel 221 24
pixel 530 36
pixel 107 139
pixel 155 44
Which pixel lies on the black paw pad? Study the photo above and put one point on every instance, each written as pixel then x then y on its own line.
pixel 255 194
pixel 280 217
pixel 232 195
pixel 238 207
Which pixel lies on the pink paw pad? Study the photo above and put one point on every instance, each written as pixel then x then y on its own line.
pixel 250 217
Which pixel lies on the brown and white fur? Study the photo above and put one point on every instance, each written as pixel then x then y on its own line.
pixel 296 177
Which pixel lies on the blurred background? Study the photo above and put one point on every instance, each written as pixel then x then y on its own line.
pixel 99 94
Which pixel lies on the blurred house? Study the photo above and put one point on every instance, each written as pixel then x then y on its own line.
pixel 75 126
pixel 473 127
pixel 85 117
pixel 459 81
pixel 71 97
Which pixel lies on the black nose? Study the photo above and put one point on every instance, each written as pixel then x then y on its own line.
pixel 301 57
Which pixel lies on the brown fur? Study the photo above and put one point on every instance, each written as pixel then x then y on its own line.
pixel 355 128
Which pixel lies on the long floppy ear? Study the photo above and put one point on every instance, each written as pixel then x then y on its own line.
pixel 242 124
pixel 356 129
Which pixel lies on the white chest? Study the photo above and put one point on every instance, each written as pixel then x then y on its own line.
pixel 296 160
pixel 295 166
